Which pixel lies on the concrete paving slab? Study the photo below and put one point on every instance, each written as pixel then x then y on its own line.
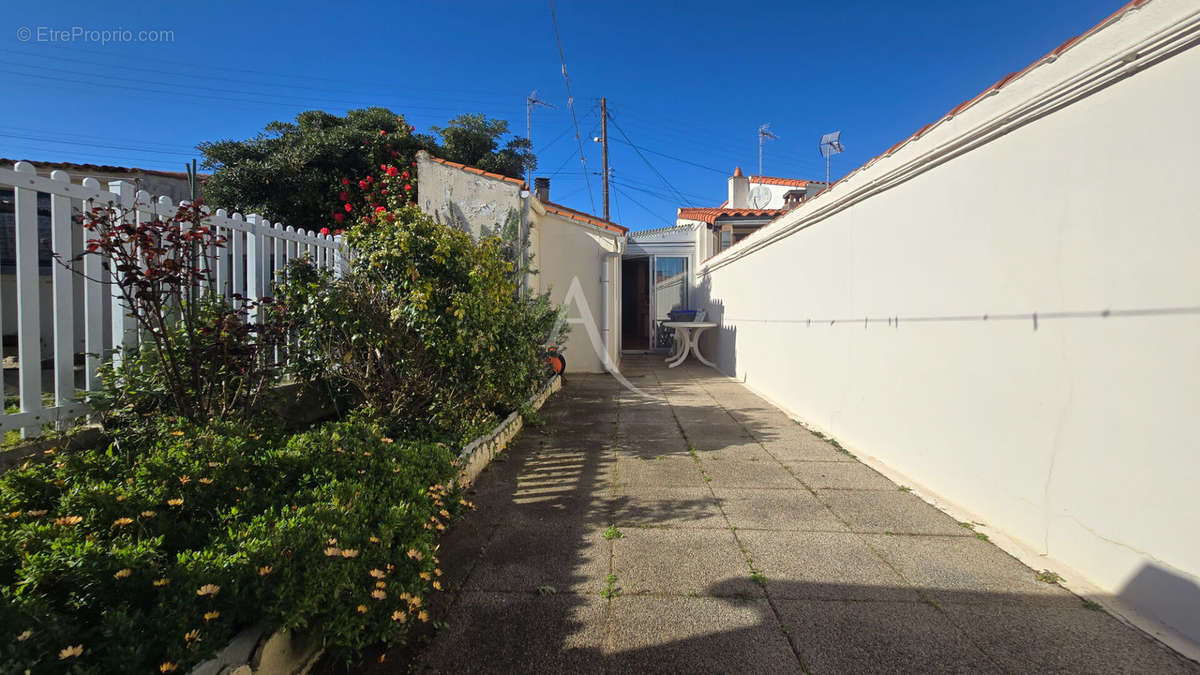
pixel 747 450
pixel 666 507
pixel 889 512
pixel 966 570
pixel 520 633
pixel 836 636
pixel 841 476
pixel 524 555
pixel 697 635
pixel 681 562
pixel 776 509
pixel 789 449
pixel 632 446
pixel 666 472
pixel 823 565
pixel 747 474
pixel 1063 639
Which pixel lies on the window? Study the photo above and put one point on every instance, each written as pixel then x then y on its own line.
pixel 726 240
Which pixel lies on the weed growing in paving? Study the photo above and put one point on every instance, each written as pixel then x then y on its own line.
pixel 612 533
pixel 758 577
pixel 610 587
pixel 905 488
pixel 1046 576
pixel 546 590
pixel 1094 606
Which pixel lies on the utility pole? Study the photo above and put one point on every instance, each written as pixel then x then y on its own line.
pixel 531 101
pixel 604 145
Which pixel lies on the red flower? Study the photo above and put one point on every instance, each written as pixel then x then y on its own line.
pixel 362 184
pixel 348 207
pixel 404 175
pixel 407 186
pixel 394 153
pixel 414 163
pixel 343 196
pixel 382 132
pixel 383 167
pixel 345 181
pixel 325 231
pixel 380 209
pixel 339 217
pixel 368 179
pixel 392 171
pixel 411 129
pixel 337 231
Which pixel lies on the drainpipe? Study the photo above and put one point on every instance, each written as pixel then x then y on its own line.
pixel 522 229
pixel 604 287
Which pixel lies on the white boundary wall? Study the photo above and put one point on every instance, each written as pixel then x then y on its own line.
pixel 1068 191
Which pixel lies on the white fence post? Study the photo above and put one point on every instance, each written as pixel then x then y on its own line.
pixel 93 303
pixel 29 348
pixel 254 260
pixel 124 326
pixel 280 264
pixel 237 249
pixel 221 255
pixel 61 232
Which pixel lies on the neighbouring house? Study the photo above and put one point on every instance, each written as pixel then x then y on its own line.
pixel 171 184
pixel 752 201
pixel 574 256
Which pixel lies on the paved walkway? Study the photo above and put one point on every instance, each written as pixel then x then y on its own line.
pixel 710 533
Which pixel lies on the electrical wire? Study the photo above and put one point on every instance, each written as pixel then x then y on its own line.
pixel 645 208
pixel 647 161
pixel 571 105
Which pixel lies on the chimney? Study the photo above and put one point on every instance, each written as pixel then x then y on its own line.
pixel 541 189
pixel 739 190
pixel 792 198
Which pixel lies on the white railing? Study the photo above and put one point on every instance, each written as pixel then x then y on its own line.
pixel 255 250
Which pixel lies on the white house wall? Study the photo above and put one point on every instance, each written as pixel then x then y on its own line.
pixel 1074 435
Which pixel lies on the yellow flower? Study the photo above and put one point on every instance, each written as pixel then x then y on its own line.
pixel 423 615
pixel 213 465
pixel 414 554
pixel 167 667
pixel 208 589
pixel 350 553
pixel 122 522
pixel 366 453
pixel 177 433
pixel 185 479
pixel 426 576
pixel 377 573
pixel 380 584
pixel 37 513
pixel 362 609
pixel 374 539
pixel 437 585
pixel 331 541
pixel 333 551
pixel 265 570
pixel 414 601
pixel 399 616
pixel 193 634
pixel 445 513
pixel 68 652
pixel 68 520
pixel 206 481
pixel 121 498
pixel 161 582
pixel 13 514
pixel 209 616
pixel 149 514
pixel 437 570
pixel 378 594
pixel 386 440
pixel 24 636
pixel 175 502
pixel 121 574
pixel 441 526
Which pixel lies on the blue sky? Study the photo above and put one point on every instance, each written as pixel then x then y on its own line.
pixel 688 82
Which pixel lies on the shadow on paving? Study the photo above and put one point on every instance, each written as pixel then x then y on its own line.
pixel 707 532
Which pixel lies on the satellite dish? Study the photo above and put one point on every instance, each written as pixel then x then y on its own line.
pixel 760 196
pixel 831 144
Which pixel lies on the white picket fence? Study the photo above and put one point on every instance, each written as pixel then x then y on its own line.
pixel 254 251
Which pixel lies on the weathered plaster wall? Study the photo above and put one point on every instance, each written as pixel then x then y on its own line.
pixel 465 200
pixel 1071 189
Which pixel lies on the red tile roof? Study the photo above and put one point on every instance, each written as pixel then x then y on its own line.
pixel 1004 81
pixel 710 215
pixel 580 216
pixel 772 180
pixel 98 168
pixel 481 172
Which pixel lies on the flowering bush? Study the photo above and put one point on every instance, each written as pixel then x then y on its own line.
pixel 144 561
pixel 428 325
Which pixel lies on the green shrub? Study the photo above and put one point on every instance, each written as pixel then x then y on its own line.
pixel 160 554
pixel 428 325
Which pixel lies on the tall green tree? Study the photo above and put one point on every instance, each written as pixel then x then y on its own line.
pixel 296 172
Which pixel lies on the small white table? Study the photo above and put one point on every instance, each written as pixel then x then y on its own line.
pixel 687 339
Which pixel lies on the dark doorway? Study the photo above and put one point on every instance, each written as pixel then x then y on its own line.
pixel 635 304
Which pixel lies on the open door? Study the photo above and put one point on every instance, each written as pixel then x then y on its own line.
pixel 635 304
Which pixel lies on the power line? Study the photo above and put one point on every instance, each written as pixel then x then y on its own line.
pixel 571 105
pixel 652 167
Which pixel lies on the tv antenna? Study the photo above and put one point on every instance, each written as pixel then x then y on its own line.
pixel 531 102
pixel 831 144
pixel 764 132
